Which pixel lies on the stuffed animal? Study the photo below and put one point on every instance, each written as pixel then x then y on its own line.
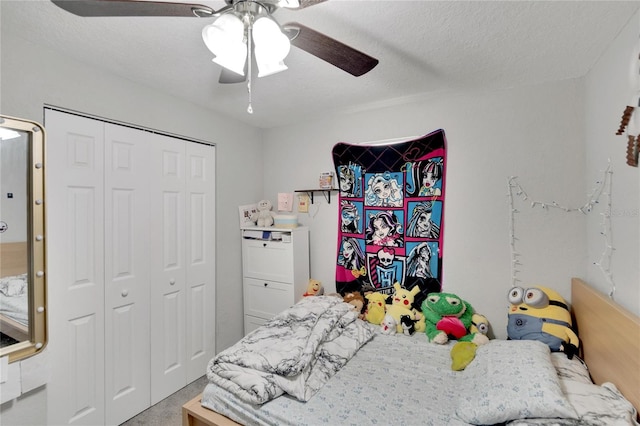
pixel 264 215
pixel 355 298
pixel 388 325
pixel 479 324
pixel 447 315
pixel 462 354
pixel 408 325
pixel 376 307
pixel 402 304
pixel 314 288
pixel 539 313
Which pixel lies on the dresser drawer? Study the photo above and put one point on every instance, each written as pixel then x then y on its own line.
pixel 264 298
pixel 251 323
pixel 268 260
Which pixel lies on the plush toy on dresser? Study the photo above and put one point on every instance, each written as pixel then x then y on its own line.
pixel 447 315
pixel 539 313
pixel 264 216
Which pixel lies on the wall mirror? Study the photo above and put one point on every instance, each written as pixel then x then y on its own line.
pixel 23 311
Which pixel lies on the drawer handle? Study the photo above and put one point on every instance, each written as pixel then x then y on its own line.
pixel 266 284
pixel 264 244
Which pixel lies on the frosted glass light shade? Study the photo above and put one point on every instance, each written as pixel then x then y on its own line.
pixel 225 39
pixel 6 134
pixel 272 46
pixel 268 68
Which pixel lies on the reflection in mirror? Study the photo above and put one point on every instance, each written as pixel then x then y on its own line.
pixel 22 251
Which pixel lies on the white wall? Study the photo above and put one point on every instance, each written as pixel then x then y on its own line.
pixel 532 132
pixel 609 90
pixel 32 76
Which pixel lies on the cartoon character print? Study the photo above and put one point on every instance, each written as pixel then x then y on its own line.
pixel 350 217
pixel 386 268
pixel 422 260
pixel 384 190
pixel 431 178
pixel 351 256
pixel 385 228
pixel 421 223
pixel 349 180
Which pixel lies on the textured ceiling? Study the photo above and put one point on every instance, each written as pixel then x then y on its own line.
pixel 423 47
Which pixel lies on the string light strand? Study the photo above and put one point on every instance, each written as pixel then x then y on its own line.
pixel 600 191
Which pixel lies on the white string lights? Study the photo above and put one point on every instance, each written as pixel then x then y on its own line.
pixel 601 190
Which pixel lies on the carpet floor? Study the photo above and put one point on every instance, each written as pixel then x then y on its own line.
pixel 168 412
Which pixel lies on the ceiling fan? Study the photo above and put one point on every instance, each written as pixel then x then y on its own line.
pixel 317 44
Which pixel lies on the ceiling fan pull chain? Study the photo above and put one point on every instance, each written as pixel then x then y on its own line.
pixel 249 56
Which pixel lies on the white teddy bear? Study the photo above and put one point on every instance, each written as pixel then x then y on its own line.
pixel 264 215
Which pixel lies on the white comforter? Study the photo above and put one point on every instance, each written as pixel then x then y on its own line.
pixel 296 352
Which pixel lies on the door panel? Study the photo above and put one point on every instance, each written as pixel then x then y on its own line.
pixel 168 273
pixel 200 259
pixel 126 273
pixel 75 212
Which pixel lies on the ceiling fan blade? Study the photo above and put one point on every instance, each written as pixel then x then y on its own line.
pixel 308 3
pixel 97 8
pixel 328 49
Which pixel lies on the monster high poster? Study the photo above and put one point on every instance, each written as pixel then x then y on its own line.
pixel 391 214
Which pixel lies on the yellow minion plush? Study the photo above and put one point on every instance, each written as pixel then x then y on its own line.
pixel 479 324
pixel 539 313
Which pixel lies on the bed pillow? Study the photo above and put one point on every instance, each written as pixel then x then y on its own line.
pixel 596 405
pixel 511 380
pixel 570 369
pixel 14 286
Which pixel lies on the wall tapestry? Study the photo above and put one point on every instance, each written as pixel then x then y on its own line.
pixel 391 214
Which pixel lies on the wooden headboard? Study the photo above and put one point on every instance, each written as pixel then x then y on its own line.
pixel 13 259
pixel 610 338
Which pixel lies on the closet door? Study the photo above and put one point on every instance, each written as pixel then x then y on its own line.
pixel 200 258
pixel 75 218
pixel 168 272
pixel 127 176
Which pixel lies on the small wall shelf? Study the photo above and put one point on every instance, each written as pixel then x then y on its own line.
pixel 325 192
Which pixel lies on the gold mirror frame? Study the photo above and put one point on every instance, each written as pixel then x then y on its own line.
pixel 36 252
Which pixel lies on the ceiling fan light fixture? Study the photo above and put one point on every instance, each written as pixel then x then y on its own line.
pixel 6 134
pixel 271 46
pixel 267 68
pixel 233 58
pixel 225 39
pixel 292 4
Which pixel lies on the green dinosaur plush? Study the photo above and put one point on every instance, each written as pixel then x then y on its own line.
pixel 447 315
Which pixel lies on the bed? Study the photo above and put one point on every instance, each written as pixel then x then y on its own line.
pixel 14 298
pixel 391 380
pixel 14 301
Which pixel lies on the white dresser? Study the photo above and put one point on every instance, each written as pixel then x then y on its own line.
pixel 275 264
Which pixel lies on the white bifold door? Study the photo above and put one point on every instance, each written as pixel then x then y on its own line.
pixel 131 267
